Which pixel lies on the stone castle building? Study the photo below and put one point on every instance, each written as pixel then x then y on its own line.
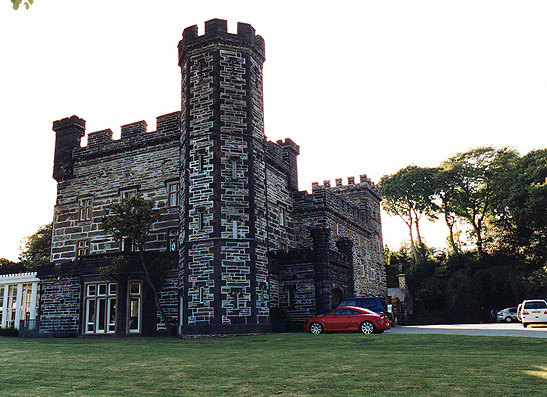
pixel 238 237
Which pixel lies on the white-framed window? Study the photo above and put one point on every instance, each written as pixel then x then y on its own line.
pixel 335 229
pixel 172 240
pixel 85 208
pixel 82 248
pixel 350 234
pixel 282 211
pixel 100 308
pixel 135 307
pixel 1 303
pixel 173 194
pixel 129 194
pixel 202 291
pixel 11 305
pixel 127 245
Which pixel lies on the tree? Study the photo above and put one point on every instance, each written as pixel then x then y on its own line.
pixel 37 247
pixel 520 208
pixel 409 194
pixel 26 3
pixel 131 221
pixel 471 185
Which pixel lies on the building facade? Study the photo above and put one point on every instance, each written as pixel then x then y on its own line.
pixel 18 299
pixel 236 235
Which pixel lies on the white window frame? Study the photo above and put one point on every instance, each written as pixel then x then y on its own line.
pixel 134 296
pixel 102 297
pixel 85 208
pixel 173 194
pixel 128 194
pixel 82 248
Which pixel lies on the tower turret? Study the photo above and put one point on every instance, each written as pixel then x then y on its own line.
pixel 68 133
pixel 223 249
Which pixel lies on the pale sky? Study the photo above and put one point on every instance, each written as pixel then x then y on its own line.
pixel 364 87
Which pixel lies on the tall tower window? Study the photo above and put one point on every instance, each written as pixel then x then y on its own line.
pixel 234 229
pixel 172 240
pixel 234 169
pixel 282 216
pixel 173 194
pixel 85 209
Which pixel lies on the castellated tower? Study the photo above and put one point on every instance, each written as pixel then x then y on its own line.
pixel 223 215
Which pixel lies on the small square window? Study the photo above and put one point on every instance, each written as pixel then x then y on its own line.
pixel 134 288
pixel 102 289
pixel 129 194
pixel 82 248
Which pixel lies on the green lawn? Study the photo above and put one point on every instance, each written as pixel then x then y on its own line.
pixel 285 364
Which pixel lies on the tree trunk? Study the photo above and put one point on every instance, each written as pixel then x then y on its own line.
pixel 450 223
pixel 412 245
pixel 168 325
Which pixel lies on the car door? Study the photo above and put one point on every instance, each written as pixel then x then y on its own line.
pixel 338 320
pixel 354 319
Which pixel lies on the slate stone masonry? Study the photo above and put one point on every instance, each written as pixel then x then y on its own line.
pixel 245 238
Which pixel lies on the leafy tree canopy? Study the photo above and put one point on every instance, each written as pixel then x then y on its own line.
pixel 37 247
pixel 26 4
pixel 133 219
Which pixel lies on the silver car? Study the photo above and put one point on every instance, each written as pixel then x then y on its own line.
pixel 508 315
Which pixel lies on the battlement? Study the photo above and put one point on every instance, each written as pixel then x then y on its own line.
pixel 133 134
pixel 364 181
pixel 217 29
pixel 324 198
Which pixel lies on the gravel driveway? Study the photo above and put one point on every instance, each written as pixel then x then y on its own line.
pixel 489 329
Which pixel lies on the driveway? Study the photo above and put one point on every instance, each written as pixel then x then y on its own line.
pixel 488 329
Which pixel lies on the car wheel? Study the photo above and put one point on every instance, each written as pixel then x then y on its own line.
pixel 524 325
pixel 508 319
pixel 367 327
pixel 316 328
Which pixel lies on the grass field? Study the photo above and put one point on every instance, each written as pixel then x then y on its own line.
pixel 279 364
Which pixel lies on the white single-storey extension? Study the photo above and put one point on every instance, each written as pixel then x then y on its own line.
pixel 18 298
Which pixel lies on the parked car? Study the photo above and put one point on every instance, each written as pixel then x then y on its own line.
pixel 533 312
pixel 373 303
pixel 348 318
pixel 508 315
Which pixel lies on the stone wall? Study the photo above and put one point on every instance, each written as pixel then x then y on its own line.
pixel 223 249
pixel 142 161
pixel 60 306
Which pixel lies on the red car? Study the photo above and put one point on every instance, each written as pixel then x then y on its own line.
pixel 348 318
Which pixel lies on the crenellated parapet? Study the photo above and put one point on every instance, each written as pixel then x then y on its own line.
pixel 323 198
pixel 132 135
pixel 217 30
pixel 365 183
